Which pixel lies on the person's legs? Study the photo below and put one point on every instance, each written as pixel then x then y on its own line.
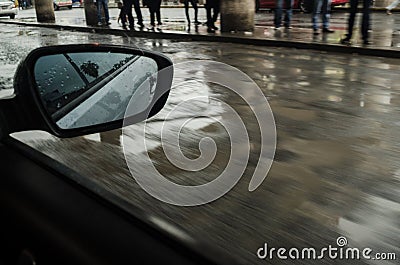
pixel 107 16
pixel 158 12
pixel 315 14
pixel 186 3
pixel 99 13
pixel 152 14
pixel 216 10
pixel 138 12
pixel 350 25
pixel 352 17
pixel 128 11
pixel 122 16
pixel 326 13
pixel 196 10
pixel 288 13
pixel 210 21
pixel 365 20
pixel 278 13
pixel 208 12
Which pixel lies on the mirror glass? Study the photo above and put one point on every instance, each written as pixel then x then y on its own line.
pixel 88 88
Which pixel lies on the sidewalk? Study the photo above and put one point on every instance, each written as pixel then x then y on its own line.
pixel 385 37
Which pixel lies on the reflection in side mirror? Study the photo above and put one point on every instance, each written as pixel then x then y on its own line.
pixel 80 89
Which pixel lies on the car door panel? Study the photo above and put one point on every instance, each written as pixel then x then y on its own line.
pixel 62 223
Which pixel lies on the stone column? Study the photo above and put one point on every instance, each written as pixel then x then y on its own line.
pixel 91 13
pixel 45 11
pixel 237 15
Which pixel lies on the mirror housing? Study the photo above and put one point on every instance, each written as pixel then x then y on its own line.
pixel 26 110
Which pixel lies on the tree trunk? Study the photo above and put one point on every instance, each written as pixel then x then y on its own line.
pixel 237 15
pixel 44 11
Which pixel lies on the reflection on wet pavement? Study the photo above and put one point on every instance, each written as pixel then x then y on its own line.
pixel 336 170
pixel 384 33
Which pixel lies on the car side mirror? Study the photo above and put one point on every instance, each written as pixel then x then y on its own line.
pixel 72 90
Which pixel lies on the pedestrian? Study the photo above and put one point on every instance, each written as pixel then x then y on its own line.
pixel 322 7
pixel 122 15
pixel 102 4
pixel 155 11
pixel 364 24
pixel 136 6
pixel 126 11
pixel 196 10
pixel 278 13
pixel 212 10
pixel 20 4
pixel 391 6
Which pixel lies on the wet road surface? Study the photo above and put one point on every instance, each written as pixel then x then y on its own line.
pixel 336 171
